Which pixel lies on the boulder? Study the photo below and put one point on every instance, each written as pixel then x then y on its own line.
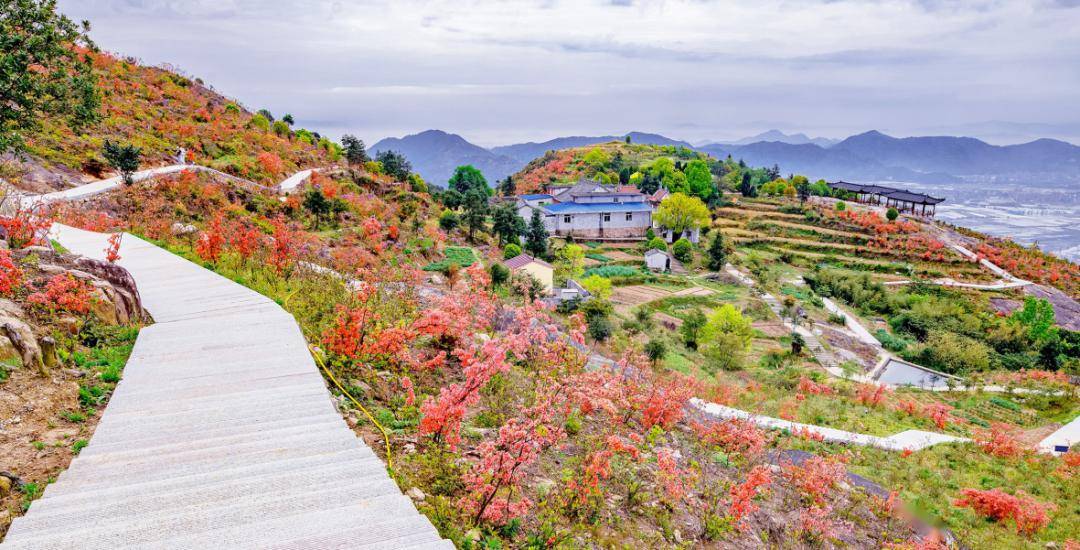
pixel 182 229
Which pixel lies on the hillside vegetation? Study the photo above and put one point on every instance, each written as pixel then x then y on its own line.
pixel 159 110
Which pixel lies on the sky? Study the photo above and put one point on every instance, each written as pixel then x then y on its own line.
pixel 698 70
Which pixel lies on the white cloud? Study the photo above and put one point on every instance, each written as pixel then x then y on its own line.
pixel 527 70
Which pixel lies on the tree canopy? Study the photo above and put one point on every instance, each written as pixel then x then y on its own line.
pixel 468 177
pixel 355 151
pixel 699 179
pixel 680 212
pixel 44 70
pixel 394 164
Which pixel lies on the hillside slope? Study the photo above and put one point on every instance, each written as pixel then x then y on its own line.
pixel 159 111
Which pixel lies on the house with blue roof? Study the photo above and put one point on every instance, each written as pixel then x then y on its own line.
pixel 591 210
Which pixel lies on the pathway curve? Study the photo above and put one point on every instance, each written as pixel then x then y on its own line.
pixel 286 186
pixel 221 434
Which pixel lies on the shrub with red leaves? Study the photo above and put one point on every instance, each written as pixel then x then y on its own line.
pixel 1029 515
pixel 939 414
pixel 112 251
pixel 807 385
pixel 742 495
pixel 11 275
pixel 733 436
pixel 211 241
pixel 63 292
pixel 871 395
pixel 999 441
pixel 815 477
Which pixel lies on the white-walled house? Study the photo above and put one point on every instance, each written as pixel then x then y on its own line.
pixel 692 235
pixel 590 210
pixel 657 260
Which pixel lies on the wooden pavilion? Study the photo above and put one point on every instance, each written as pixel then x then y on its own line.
pixel 903 200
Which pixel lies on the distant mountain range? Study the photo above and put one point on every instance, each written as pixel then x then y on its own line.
pixel 777 135
pixel 870 156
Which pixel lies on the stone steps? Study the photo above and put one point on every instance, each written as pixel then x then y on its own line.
pixel 221 434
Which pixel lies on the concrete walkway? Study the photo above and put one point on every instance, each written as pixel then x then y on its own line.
pixel 910 440
pixel 286 186
pixel 220 435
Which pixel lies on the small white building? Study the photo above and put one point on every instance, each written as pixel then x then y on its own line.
pixel 535 267
pixel 657 260
pixel 692 235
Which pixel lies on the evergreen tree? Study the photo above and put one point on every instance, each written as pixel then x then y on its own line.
pixel 536 237
pixel 466 178
pixel 394 164
pixel 773 173
pixel 125 158
pixel 288 119
pixel 355 151
pixel 508 187
pixel 317 204
pixel 476 209
pixel 747 187
pixel 717 253
pixel 507 224
pixel 266 114
pixel 43 71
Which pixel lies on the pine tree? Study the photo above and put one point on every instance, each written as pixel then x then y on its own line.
pixel 355 151
pixel 536 237
pixel 507 224
pixel 476 209
pixel 125 158
pixel 717 253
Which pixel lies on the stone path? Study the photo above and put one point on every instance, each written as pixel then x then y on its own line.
pixel 221 434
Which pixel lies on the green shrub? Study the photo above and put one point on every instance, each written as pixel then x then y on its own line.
pixel 511 251
pixel 448 220
pixel 840 206
pixel 683 250
pixel 892 214
pixel 655 243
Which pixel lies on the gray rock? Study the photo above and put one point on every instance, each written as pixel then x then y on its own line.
pixel 416 494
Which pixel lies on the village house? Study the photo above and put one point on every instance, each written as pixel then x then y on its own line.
pixel 591 210
pixel 538 269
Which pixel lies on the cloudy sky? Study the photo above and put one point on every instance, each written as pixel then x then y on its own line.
pixel 501 72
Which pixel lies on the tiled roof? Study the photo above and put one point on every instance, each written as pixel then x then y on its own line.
pixel 535 197
pixel 521 260
pixel 586 208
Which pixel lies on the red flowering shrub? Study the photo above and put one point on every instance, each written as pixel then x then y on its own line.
pixel 807 385
pixel 815 477
pixel 245 239
pixel 271 163
pixel 742 495
pixel 1029 515
pixel 63 292
pixel 10 274
pixel 999 441
pixel 663 401
pixel 112 251
pixel 24 226
pixel 871 395
pixel 669 475
pixel 939 414
pixel 734 436
pixel 285 247
pixel 212 241
pixel 815 522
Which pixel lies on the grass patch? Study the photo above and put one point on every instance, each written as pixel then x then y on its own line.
pixel 463 256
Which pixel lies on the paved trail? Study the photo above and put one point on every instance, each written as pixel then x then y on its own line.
pixel 220 435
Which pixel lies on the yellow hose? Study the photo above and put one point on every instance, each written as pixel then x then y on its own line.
pixel 386 438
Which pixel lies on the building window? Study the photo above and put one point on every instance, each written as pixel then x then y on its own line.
pixel 607 216
pixel 566 218
pixel 629 216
